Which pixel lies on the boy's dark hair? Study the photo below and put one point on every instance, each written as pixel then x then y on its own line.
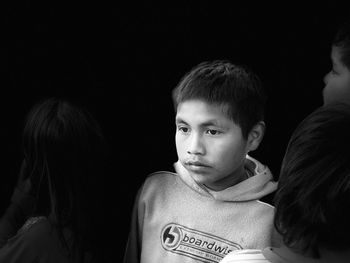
pixel 223 83
pixel 313 195
pixel 342 41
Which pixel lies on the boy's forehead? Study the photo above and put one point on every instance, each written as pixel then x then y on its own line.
pixel 208 104
pixel 204 108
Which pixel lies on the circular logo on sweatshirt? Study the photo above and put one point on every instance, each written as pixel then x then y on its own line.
pixel 171 236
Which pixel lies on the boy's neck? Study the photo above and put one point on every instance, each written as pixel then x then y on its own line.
pixel 232 179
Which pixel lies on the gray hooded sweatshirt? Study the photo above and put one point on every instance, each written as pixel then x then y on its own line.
pixel 176 219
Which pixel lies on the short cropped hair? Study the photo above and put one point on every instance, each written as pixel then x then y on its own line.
pixel 222 83
pixel 342 41
pixel 313 196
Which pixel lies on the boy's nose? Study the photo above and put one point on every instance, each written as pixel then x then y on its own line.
pixel 196 145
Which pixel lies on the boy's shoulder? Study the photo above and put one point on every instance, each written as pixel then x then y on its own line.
pixel 160 175
pixel 160 178
pixel 160 183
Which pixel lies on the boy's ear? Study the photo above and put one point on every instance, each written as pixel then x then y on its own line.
pixel 255 136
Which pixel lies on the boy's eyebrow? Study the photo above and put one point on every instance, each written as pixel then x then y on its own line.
pixel 212 122
pixel 179 120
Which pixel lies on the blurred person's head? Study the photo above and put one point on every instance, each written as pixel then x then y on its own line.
pixel 337 81
pixel 313 195
pixel 64 152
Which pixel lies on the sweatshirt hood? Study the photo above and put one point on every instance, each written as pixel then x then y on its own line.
pixel 259 184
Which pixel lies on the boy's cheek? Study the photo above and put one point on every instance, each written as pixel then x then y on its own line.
pixel 179 150
pixel 180 143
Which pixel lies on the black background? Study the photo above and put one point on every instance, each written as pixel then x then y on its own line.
pixel 121 61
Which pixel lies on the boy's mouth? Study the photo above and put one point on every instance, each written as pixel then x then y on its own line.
pixel 196 163
pixel 196 166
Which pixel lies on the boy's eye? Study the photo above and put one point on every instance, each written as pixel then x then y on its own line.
pixel 183 129
pixel 334 72
pixel 213 132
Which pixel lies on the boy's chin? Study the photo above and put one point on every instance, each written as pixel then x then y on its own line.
pixel 200 178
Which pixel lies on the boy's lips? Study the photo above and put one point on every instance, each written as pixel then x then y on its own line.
pixel 196 166
pixel 196 163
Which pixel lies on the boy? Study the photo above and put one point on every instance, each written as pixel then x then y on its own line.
pixel 210 206
pixel 313 195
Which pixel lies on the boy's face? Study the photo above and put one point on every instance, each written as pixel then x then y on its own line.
pixel 209 144
pixel 337 81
